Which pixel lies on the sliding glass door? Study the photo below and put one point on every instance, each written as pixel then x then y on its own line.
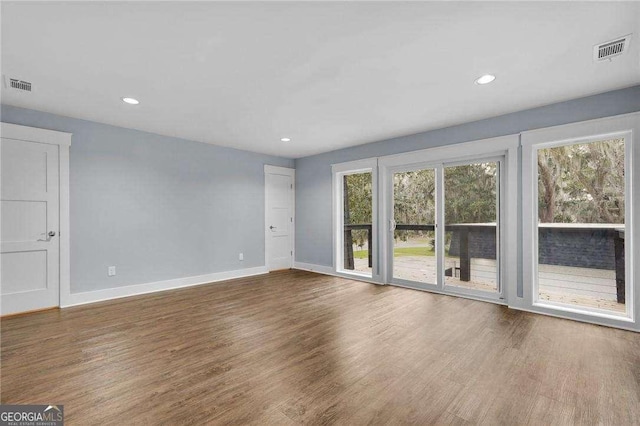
pixel 444 232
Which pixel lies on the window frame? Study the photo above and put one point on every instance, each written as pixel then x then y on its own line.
pixel 626 126
pixel 338 172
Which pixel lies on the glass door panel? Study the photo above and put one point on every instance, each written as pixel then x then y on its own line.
pixel 357 232
pixel 471 209
pixel 414 240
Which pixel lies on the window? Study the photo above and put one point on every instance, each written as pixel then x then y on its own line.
pixel 578 183
pixel 354 218
pixel 581 225
pixel 553 233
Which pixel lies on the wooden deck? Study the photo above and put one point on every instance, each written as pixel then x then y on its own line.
pixel 564 284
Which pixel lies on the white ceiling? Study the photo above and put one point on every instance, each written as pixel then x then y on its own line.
pixel 327 75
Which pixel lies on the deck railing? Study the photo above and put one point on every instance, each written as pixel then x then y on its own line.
pixel 557 246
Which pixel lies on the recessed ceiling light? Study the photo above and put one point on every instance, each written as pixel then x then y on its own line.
pixel 485 79
pixel 285 140
pixel 131 101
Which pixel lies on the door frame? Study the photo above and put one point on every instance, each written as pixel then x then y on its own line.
pixel 338 171
pixel 63 141
pixel 499 295
pixel 466 152
pixel 390 224
pixel 286 171
pixel 440 221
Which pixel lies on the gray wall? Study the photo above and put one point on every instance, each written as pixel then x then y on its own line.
pixel 313 174
pixel 156 207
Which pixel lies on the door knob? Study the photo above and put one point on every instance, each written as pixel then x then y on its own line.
pixel 272 227
pixel 50 235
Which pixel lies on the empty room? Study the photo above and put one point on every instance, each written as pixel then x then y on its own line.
pixel 283 213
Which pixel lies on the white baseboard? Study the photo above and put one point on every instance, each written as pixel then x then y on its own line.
pixel 321 269
pixel 559 314
pixel 328 270
pixel 134 290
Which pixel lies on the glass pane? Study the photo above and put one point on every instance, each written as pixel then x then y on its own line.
pixel 358 205
pixel 581 199
pixel 471 218
pixel 414 210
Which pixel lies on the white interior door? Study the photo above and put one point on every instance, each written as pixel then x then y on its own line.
pixel 30 226
pixel 279 218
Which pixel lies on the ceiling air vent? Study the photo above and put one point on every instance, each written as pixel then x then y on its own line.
pixel 608 50
pixel 17 84
pixel 20 84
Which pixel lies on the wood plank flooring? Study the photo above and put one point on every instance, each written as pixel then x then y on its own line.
pixel 295 347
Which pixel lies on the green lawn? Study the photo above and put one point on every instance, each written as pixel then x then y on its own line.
pixel 400 251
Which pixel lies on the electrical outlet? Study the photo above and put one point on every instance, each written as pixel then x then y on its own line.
pixel 111 271
pixel 241 256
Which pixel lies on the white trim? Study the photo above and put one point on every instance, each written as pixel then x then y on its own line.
pixel 135 290
pixel 559 314
pixel 277 170
pixel 459 152
pixel 582 129
pixel 34 134
pixel 321 269
pixel 510 240
pixel 351 167
pixel 65 225
pixel 63 141
pixel 627 125
pixel 465 295
pixel 328 270
pixel 440 227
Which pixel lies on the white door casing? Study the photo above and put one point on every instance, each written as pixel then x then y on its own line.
pixel 279 217
pixel 31 205
pixel 504 147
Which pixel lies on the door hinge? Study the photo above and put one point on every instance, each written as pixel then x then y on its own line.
pixel 291 219
pixel 291 186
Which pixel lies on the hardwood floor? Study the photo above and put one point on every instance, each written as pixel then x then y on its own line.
pixel 296 347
